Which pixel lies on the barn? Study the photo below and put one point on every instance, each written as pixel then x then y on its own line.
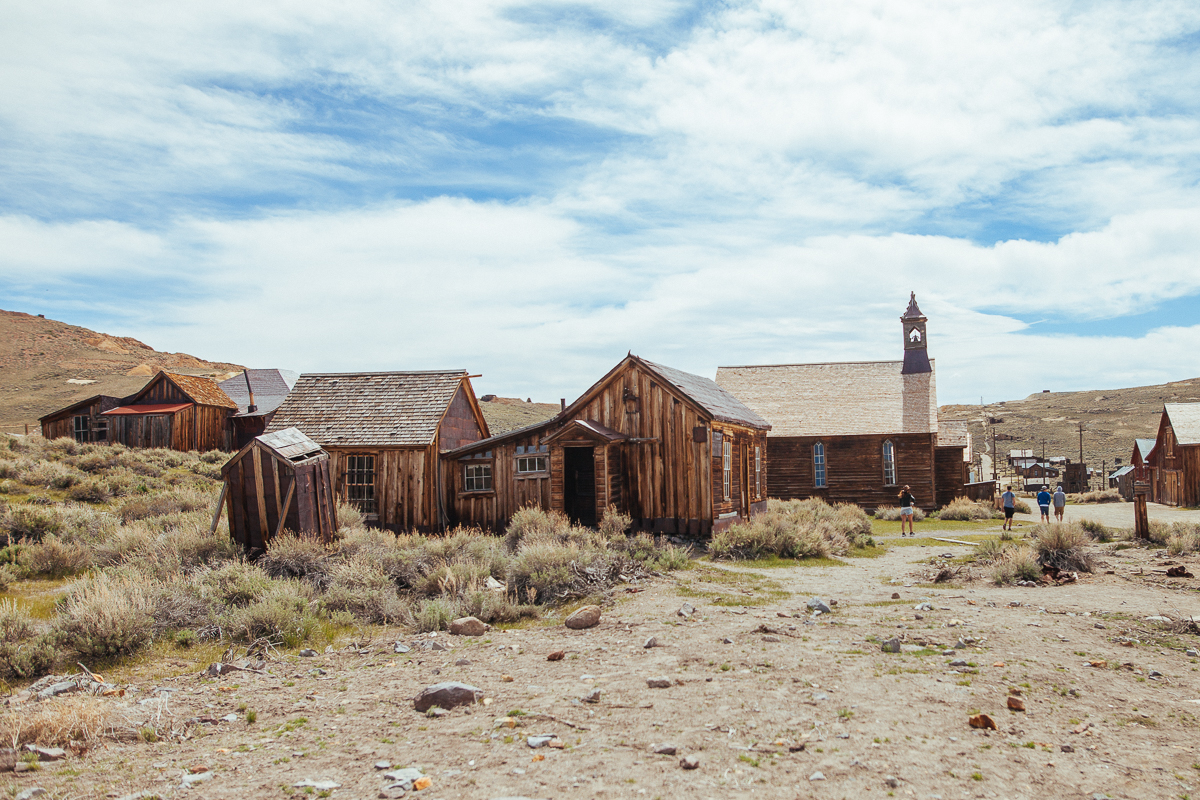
pixel 1141 460
pixel 1175 457
pixel 83 421
pixel 673 450
pixel 383 432
pixel 856 432
pixel 178 412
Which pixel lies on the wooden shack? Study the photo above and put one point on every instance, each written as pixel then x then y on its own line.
pixel 1175 457
pixel 1143 467
pixel 383 432
pixel 671 449
pixel 856 432
pixel 178 412
pixel 278 482
pixel 83 421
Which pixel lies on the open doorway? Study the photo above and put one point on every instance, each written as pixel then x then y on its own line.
pixel 579 485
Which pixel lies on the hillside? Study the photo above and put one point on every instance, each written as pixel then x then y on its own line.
pixel 1112 419
pixel 46 364
pixel 504 414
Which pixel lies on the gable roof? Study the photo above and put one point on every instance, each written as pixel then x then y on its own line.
pixel 838 399
pixel 1143 447
pixel 1185 421
pixel 270 387
pixel 107 402
pixel 380 409
pixel 289 444
pixel 202 391
pixel 723 406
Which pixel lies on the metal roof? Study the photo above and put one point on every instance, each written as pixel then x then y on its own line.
pixel 1144 446
pixel 291 443
pixel 146 408
pixel 379 409
pixel 718 402
pixel 271 387
pixel 913 311
pixel 1185 421
pixel 589 426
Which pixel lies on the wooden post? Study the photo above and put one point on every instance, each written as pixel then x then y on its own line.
pixel 220 507
pixel 287 502
pixel 1141 518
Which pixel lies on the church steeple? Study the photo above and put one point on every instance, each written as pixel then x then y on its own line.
pixel 916 354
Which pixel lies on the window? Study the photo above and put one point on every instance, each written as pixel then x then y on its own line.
pixel 477 478
pixel 819 465
pixel 727 467
pixel 360 483
pixel 529 464
pixel 757 471
pixel 82 428
pixel 889 464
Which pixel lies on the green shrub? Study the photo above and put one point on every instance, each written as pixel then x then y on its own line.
pixel 30 524
pixel 990 550
pixel 25 652
pixel 795 529
pixel 234 583
pixel 533 522
pixel 432 614
pixel 961 509
pixel 294 556
pixel 615 523
pixel 54 558
pixel 1021 506
pixel 90 491
pixel 105 617
pixel 1184 539
pixel 165 504
pixel 363 589
pixel 1097 530
pixel 51 475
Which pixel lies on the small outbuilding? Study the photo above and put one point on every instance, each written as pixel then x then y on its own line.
pixel 278 481
pixel 83 421
pixel 178 412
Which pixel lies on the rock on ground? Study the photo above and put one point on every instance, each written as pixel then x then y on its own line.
pixel 448 694
pixel 586 617
pixel 469 626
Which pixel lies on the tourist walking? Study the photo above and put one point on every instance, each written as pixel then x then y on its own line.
pixel 1010 507
pixel 1060 503
pixel 1044 498
pixel 907 502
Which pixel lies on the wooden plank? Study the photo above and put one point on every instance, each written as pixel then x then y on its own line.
pixel 275 480
pixel 287 503
pixel 216 520
pixel 258 487
pixel 952 541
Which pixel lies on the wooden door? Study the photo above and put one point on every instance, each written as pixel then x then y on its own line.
pixel 744 472
pixel 579 485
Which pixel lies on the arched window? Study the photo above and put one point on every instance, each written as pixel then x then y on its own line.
pixel 889 464
pixel 819 465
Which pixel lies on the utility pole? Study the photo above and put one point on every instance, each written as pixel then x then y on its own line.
pixel 1082 467
pixel 993 453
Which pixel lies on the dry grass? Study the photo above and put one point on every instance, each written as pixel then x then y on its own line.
pixel 59 722
pixel 962 509
pixel 795 529
pixel 1103 496
pixel 1062 547
pixel 892 514
pixel 1017 563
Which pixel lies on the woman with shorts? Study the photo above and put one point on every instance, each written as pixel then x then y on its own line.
pixel 907 501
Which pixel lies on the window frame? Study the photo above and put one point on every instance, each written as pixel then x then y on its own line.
pixel 484 474
pixel 889 464
pixel 368 503
pixel 727 467
pixel 820 466
pixel 544 458
pixel 758 471
pixel 83 434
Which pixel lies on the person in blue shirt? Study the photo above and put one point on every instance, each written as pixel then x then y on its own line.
pixel 1044 499
pixel 1010 507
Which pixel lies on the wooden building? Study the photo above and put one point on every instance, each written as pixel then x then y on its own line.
pixel 1143 467
pixel 278 482
pixel 1175 457
pixel 83 421
pixel 856 432
pixel 673 450
pixel 383 432
pixel 178 412
pixel 258 394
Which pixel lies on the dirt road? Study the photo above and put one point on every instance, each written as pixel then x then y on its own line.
pixel 772 701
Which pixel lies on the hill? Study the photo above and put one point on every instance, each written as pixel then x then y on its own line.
pixel 46 364
pixel 1112 419
pixel 504 414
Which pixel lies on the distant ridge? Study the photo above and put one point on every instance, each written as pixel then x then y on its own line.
pixel 1112 419
pixel 46 364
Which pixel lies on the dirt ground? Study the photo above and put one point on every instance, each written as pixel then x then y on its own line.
pixel 1112 700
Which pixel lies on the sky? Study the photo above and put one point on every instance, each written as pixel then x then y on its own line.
pixel 529 190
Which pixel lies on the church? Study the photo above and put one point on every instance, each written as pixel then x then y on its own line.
pixel 857 431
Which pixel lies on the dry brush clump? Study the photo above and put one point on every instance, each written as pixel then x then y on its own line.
pixel 795 529
pixel 1061 547
pixel 1016 563
pixel 26 649
pixel 892 514
pixel 1102 496
pixel 962 509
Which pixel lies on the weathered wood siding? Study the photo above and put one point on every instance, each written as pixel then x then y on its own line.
pixel 510 491
pixel 950 474
pixel 460 425
pixel 853 469
pixel 744 496
pixel 258 485
pixel 405 485
pixel 63 423
pixel 192 428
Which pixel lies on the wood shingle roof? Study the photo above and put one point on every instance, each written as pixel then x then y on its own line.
pixel 378 409
pixel 203 391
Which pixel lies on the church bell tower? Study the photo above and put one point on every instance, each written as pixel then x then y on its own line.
pixel 916 353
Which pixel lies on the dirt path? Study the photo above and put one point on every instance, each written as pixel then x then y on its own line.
pixel 749 684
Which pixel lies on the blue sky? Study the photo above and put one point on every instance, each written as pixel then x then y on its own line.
pixel 529 190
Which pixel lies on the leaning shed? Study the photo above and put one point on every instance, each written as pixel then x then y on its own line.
pixel 278 482
pixel 1175 458
pixel 671 449
pixel 383 432
pixel 178 412
pixel 83 421
pixel 858 431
